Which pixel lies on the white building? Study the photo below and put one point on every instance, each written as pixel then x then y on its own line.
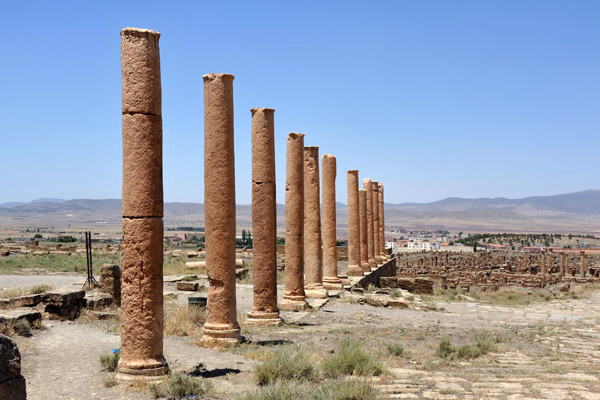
pixel 423 245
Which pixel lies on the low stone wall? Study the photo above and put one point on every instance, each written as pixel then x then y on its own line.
pixel 388 269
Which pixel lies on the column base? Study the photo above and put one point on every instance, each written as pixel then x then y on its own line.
pixel 315 292
pixel 294 303
pixel 263 318
pixel 217 335
pixel 332 283
pixel 372 263
pixel 354 270
pixel 366 267
pixel 154 371
pixel 344 279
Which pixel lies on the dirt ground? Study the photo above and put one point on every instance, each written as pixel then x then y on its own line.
pixel 546 350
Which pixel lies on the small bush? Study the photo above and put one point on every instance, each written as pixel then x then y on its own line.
pixel 284 364
pixel 280 390
pixel 396 293
pixel 109 381
pixel 371 288
pixel 339 389
pixel 179 386
pixel 110 363
pixel 485 342
pixel 346 389
pixel 396 349
pixel 39 289
pixel 22 327
pixel 445 349
pixel 351 359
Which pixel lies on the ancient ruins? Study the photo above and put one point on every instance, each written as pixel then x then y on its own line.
pixel 142 248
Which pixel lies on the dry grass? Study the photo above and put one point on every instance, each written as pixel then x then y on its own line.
pixel 18 292
pixel 184 320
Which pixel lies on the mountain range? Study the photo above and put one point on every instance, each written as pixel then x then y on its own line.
pixel 577 212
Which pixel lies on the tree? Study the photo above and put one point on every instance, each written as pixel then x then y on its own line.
pixel 37 236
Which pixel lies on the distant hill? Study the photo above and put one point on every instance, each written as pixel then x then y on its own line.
pixel 573 212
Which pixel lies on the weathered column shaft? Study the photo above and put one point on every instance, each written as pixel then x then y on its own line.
pixel 362 212
pixel 370 232
pixel 313 253
pixel 354 268
pixel 293 296
pixel 583 265
pixel 142 248
pixel 382 224
pixel 264 219
pixel 562 265
pixel 221 324
pixel 330 271
pixel 375 194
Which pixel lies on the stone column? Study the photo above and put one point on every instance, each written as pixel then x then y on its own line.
pixel 375 194
pixel 382 225
pixel 524 261
pixel 370 237
pixel 543 263
pixel 313 253
pixel 562 264
pixel 293 295
pixel 583 265
pixel 567 264
pixel 142 249
pixel 362 215
pixel 221 324
pixel 330 273
pixel 549 266
pixel 264 219
pixel 354 268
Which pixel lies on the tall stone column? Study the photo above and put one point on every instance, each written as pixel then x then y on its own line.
pixel 142 249
pixel 354 268
pixel 567 264
pixel 549 266
pixel 264 219
pixel 313 253
pixel 293 295
pixel 543 264
pixel 525 261
pixel 562 265
pixel 370 235
pixel 583 265
pixel 381 224
pixel 375 194
pixel 221 324
pixel 330 272
pixel 362 213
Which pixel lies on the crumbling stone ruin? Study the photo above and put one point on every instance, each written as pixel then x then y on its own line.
pixel 491 270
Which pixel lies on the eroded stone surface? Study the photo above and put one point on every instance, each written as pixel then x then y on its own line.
pixel 330 269
pixel 264 218
pixel 313 256
pixel 293 296
pixel 219 206
pixel 364 234
pixel 354 268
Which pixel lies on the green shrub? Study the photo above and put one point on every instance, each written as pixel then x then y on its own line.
pixel 346 389
pixel 39 289
pixel 22 327
pixel 179 385
pixel 285 363
pixel 109 363
pixel 445 349
pixel 338 389
pixel 396 349
pixel 280 390
pixel 351 359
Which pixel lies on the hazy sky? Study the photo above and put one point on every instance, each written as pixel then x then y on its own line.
pixel 432 98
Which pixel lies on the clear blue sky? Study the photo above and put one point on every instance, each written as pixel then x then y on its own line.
pixel 433 98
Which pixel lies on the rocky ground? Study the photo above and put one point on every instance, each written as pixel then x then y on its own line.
pixel 544 350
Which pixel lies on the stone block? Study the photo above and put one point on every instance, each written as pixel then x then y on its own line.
pixel 388 282
pixel 406 284
pixel 187 286
pixel 19 314
pixel 423 286
pixel 110 281
pixel 98 301
pixel 397 303
pixel 64 303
